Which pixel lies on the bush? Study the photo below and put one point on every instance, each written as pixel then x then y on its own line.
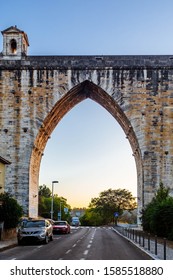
pixel 157 216
pixel 163 219
pixel 10 211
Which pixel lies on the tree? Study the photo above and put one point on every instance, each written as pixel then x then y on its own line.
pixel 91 218
pixel 44 191
pixel 157 216
pixel 111 201
pixel 44 207
pixel 44 194
pixel 10 211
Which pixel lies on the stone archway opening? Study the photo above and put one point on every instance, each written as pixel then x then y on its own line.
pixel 76 95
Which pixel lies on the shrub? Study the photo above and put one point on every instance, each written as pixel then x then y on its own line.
pixel 163 218
pixel 157 216
pixel 10 211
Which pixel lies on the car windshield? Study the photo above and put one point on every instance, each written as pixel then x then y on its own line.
pixel 60 223
pixel 29 224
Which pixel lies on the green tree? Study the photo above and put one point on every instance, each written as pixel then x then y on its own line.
pixel 111 201
pixel 91 218
pixel 10 211
pixel 45 200
pixel 44 204
pixel 157 216
pixel 44 191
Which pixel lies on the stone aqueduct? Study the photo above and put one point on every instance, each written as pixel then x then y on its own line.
pixel 37 91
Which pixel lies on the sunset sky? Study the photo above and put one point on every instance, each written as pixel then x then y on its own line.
pixel 88 151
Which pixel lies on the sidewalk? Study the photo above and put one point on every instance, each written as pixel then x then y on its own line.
pixel 151 252
pixel 6 244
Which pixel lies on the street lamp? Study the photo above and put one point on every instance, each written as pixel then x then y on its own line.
pixel 60 211
pixel 51 212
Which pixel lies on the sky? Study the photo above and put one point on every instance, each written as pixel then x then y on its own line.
pixel 88 151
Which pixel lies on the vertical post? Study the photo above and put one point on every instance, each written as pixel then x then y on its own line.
pixel 136 236
pixel 51 212
pixel 143 243
pixel 164 249
pixel 155 244
pixel 60 211
pixel 148 241
pixel 139 238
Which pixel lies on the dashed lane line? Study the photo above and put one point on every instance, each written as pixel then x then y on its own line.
pixel 86 252
pixel 68 251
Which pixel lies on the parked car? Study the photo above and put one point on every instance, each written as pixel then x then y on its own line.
pixel 35 230
pixel 61 227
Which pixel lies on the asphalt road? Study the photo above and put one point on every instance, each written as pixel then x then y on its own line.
pixel 82 243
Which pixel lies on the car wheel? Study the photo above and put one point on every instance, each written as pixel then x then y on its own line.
pixel 46 240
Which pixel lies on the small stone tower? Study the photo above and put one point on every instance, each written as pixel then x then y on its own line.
pixel 15 43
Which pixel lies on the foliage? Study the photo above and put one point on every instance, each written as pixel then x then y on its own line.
pixel 10 211
pixel 44 191
pixel 91 218
pixel 101 209
pixel 157 216
pixel 45 201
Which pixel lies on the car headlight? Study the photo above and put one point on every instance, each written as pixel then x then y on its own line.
pixel 42 232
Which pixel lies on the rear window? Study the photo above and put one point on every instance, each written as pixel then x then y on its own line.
pixel 60 223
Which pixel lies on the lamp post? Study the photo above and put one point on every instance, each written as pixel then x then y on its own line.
pixel 60 211
pixel 51 212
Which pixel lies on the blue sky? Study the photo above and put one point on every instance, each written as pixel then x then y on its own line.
pixel 88 151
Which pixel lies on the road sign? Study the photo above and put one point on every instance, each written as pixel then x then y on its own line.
pixel 65 210
pixel 116 214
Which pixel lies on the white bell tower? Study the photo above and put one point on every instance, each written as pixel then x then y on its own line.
pixel 15 43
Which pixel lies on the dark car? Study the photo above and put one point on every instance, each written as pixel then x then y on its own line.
pixel 35 230
pixel 61 227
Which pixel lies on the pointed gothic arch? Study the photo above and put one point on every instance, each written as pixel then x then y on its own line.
pixel 76 95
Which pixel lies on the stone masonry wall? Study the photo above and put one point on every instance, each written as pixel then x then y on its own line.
pixel 36 92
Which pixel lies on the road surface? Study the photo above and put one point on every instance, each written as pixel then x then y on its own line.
pixel 83 243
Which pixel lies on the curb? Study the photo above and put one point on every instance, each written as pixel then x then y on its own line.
pixel 8 247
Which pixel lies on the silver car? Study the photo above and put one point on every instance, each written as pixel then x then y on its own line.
pixel 35 230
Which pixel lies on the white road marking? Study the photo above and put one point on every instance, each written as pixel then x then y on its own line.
pixel 85 252
pixel 68 252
